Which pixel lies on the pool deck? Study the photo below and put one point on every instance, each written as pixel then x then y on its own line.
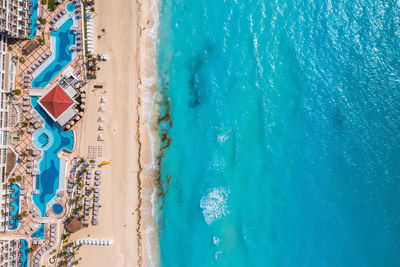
pixel 53 44
pixel 33 221
pixel 77 59
pixel 51 166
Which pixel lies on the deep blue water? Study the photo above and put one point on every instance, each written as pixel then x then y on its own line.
pixel 64 39
pixel 280 133
pixel 57 208
pixel 48 180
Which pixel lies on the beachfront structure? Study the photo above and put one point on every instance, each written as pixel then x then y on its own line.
pixel 6 85
pixel 8 253
pixel 13 253
pixel 59 102
pixel 15 18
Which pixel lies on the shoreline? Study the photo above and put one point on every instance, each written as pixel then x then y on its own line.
pixel 147 134
pixel 130 135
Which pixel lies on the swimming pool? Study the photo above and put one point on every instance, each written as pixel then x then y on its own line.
pixel 57 209
pixel 70 7
pixel 23 253
pixel 15 204
pixel 51 167
pixel 33 18
pixel 42 139
pixel 61 41
pixel 39 233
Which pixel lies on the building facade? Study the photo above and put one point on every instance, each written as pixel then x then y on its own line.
pixel 14 18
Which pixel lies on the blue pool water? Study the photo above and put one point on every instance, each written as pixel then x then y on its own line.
pixel 64 38
pixel 57 209
pixel 23 256
pixel 48 180
pixel 39 233
pixel 42 139
pixel 15 204
pixel 281 133
pixel 70 7
pixel 33 17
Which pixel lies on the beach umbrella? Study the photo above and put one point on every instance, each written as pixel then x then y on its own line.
pixel 82 106
pixel 81 113
pixel 68 127
pixel 101 118
pixel 72 123
pixel 83 95
pixel 83 100
pixel 82 90
pixel 76 110
pixel 101 127
pixel 102 99
pixel 100 137
pixel 77 117
pixel 101 108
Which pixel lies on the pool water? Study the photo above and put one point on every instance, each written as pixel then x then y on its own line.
pixel 15 204
pixel 47 182
pixel 39 233
pixel 23 253
pixel 64 37
pixel 42 139
pixel 71 7
pixel 57 209
pixel 33 17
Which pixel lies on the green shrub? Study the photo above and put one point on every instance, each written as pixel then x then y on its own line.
pixel 51 5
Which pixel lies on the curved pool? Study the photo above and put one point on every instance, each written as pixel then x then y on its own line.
pixel 52 169
pixel 57 209
pixel 70 7
pixel 42 139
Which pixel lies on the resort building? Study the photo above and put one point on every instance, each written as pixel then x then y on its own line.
pixel 15 18
pixel 6 81
pixel 13 253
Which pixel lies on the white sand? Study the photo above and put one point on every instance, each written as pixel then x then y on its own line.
pixel 125 216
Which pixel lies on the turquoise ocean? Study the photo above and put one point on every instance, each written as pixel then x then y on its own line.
pixel 280 129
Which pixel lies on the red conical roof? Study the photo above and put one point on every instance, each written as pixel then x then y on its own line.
pixel 56 101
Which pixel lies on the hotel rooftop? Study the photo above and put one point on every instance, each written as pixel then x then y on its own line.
pixel 59 103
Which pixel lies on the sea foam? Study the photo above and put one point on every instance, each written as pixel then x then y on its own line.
pixel 214 204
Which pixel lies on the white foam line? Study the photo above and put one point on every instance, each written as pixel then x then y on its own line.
pixel 148 111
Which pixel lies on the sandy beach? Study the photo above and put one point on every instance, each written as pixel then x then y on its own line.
pixel 126 189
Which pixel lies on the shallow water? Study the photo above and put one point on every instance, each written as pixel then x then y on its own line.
pixel 280 129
